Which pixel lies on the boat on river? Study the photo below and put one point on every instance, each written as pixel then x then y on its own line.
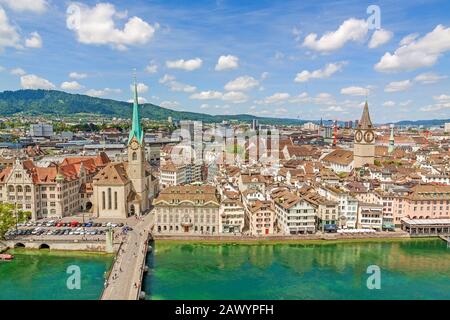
pixel 6 257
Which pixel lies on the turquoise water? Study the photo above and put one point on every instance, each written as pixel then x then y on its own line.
pixel 42 275
pixel 413 269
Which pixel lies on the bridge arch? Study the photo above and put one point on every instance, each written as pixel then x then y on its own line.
pixel 44 246
pixel 19 245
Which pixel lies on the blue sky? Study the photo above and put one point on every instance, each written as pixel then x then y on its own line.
pixel 296 59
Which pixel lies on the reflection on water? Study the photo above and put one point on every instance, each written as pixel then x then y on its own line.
pixel 42 275
pixel 410 269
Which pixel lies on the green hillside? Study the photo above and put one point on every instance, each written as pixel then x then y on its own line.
pixel 58 103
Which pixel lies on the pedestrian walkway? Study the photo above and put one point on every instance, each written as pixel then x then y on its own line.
pixel 125 279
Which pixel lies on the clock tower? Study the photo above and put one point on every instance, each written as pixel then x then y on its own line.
pixel 364 144
pixel 136 155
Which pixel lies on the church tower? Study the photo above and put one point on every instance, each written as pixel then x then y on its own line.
pixel 136 154
pixel 364 144
pixel 391 140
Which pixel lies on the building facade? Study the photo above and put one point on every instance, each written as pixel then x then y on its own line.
pixel 187 210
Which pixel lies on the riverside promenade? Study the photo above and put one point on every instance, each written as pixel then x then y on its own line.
pixel 284 238
pixel 125 279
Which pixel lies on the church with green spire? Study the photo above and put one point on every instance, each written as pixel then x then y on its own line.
pixel 124 189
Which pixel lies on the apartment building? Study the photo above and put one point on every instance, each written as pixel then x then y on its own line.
pixel 232 216
pixel 348 204
pixel 261 218
pixel 370 216
pixel 294 214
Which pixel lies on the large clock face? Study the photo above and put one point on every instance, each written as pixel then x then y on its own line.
pixel 134 145
pixel 369 136
pixel 358 136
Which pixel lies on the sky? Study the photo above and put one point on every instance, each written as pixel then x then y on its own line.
pixel 285 59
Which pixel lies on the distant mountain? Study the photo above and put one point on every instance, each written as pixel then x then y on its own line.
pixel 58 103
pixel 425 123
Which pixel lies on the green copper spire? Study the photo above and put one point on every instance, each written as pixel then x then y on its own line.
pixel 136 129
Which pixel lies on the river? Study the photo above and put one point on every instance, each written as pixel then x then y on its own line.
pixel 408 269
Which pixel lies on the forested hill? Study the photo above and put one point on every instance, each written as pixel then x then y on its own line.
pixel 59 103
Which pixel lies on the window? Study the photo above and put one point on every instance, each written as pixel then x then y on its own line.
pixel 27 189
pixel 103 200
pixel 134 156
pixel 109 199
pixel 115 200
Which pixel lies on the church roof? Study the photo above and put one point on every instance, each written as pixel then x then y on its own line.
pixel 112 174
pixel 365 122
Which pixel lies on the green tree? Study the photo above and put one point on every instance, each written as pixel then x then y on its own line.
pixel 9 217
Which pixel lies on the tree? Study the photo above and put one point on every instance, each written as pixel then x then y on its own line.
pixel 9 217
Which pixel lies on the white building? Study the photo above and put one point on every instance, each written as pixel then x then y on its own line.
pixel 348 205
pixel 294 214
pixel 41 130
pixel 232 216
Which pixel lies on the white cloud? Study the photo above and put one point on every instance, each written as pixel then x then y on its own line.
pixel 207 95
pixel 389 104
pixel 78 76
pixel 423 52
pixel 397 86
pixel 264 76
pixel 243 83
pixel 170 81
pixel 235 97
pixel 355 91
pixel 323 98
pixel 152 67
pixel 32 81
pixel 334 109
pixel 296 32
pixel 101 93
pixel 442 98
pixel 350 30
pixel 141 100
pixel 429 77
pixel 408 39
pixel 380 37
pixel 71 85
pixel 169 104
pixel 436 107
pixel 325 72
pixel 37 6
pixel 405 103
pixel 96 25
pixel 35 41
pixel 166 78
pixel 18 72
pixel 276 98
pixel 301 98
pixel 141 88
pixel 9 37
pixel 187 65
pixel 227 62
pixel 181 87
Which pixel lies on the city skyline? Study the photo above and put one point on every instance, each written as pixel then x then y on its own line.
pixel 199 58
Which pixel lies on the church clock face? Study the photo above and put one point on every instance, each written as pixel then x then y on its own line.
pixel 369 136
pixel 358 136
pixel 134 145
